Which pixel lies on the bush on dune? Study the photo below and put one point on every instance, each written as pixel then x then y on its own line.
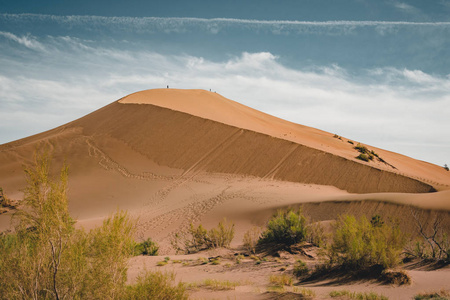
pixel 286 228
pixel 360 244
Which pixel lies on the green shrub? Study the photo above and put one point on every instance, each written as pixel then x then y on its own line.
pixel 147 247
pixel 156 285
pixel 286 227
pixel 300 268
pixel 358 244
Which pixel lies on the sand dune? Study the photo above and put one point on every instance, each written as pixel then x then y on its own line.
pixel 171 157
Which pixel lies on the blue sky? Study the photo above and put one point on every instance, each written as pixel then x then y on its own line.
pixel 373 71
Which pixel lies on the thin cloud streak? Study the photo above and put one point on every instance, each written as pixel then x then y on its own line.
pixel 153 25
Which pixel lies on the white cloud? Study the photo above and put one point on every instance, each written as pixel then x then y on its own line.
pixel 27 41
pixel 406 7
pixel 386 107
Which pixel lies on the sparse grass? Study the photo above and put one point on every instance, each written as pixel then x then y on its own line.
pixel 255 258
pixel 441 295
pixel 300 268
pixel 176 261
pixel 304 291
pixel 161 263
pixel 239 258
pixel 215 285
pixel 281 280
pixel 202 260
pixel 215 261
pixel 156 285
pixel 357 296
pixel 251 238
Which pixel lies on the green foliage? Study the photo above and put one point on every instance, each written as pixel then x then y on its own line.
pixel 358 244
pixel 286 227
pixel 300 268
pixel 198 238
pixel 147 247
pixel 156 285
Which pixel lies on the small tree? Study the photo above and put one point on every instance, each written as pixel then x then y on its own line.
pixel 446 167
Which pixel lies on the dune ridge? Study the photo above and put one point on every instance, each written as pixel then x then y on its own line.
pixel 163 162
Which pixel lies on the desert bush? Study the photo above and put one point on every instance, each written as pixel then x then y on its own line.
pixel 220 236
pixel 363 157
pixel 300 268
pixel 198 238
pixel 251 238
pixel 147 247
pixel 286 227
pixel 358 244
pixel 396 277
pixel 156 285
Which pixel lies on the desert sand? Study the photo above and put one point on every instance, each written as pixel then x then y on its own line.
pixel 171 157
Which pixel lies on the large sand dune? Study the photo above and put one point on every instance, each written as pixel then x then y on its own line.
pixel 171 157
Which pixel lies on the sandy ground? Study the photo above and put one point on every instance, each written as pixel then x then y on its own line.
pixel 171 157
pixel 253 280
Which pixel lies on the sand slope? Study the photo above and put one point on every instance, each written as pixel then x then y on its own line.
pixel 171 157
